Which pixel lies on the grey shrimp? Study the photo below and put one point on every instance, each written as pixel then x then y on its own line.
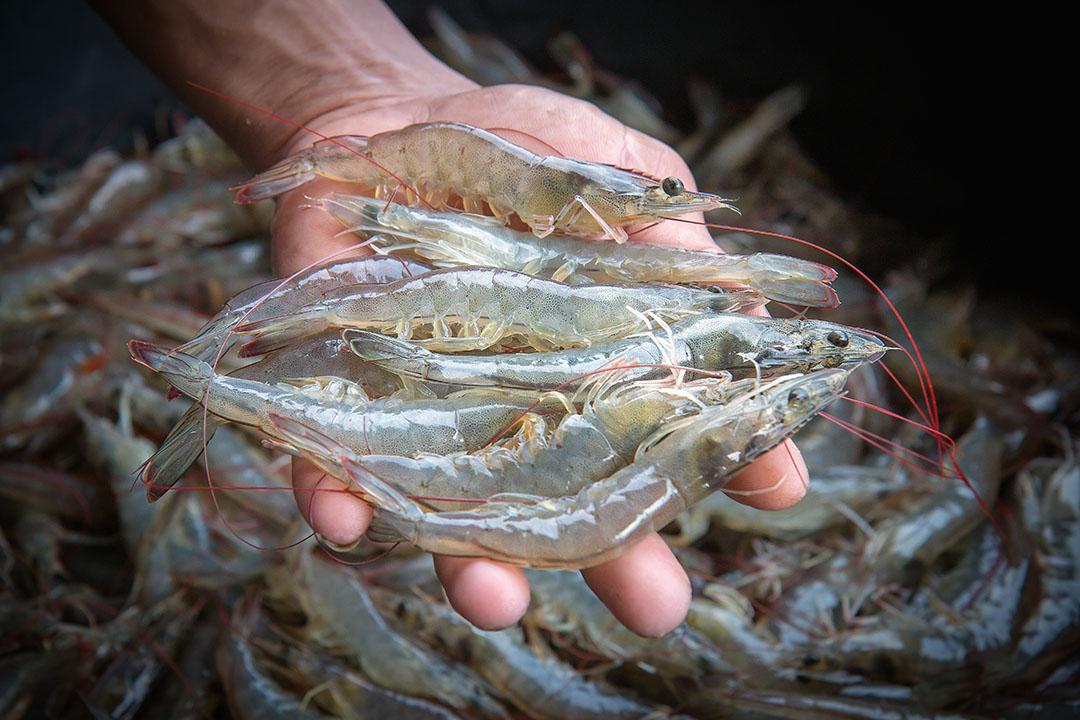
pixel 549 193
pixel 609 516
pixel 447 239
pixel 472 308
pixel 743 345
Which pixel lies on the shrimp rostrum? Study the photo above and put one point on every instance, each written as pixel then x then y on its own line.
pixel 609 516
pixel 437 160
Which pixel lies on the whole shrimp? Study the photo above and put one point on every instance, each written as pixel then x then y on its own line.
pixel 447 239
pixel 471 308
pixel 744 345
pixel 583 448
pixel 609 516
pixel 342 410
pixel 548 193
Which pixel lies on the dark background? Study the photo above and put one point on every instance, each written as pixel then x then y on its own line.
pixel 929 118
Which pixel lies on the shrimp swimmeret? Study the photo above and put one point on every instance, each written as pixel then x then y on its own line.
pixel 549 193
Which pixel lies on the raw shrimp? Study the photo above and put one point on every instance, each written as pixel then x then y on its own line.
pixel 609 516
pixel 539 684
pixel 448 239
pixel 342 410
pixel 583 448
pixel 744 345
pixel 339 608
pixel 471 308
pixel 549 193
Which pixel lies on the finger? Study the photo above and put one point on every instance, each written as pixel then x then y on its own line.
pixel 489 594
pixel 776 480
pixel 645 588
pixel 338 516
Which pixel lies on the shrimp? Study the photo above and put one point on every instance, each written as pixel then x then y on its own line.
pixel 342 410
pixel 548 193
pixel 539 684
pixel 583 448
pixel 320 356
pixel 471 308
pixel 448 239
pixel 743 345
pixel 609 516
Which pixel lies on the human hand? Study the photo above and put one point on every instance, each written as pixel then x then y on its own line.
pixel 646 587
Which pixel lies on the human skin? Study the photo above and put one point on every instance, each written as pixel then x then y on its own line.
pixel 347 67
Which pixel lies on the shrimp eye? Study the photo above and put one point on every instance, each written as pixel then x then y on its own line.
pixel 672 186
pixel 838 338
pixel 798 397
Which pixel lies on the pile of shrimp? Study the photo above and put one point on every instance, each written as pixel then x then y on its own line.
pixel 494 392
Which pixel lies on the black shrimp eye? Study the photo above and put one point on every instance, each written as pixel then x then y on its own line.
pixel 838 338
pixel 798 396
pixel 672 186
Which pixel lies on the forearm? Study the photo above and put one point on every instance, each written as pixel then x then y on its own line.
pixel 299 60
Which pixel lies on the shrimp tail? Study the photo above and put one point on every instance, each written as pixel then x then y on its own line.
pixel 377 349
pixel 187 374
pixel 297 436
pixel 796 291
pixel 399 512
pixel 792 267
pixel 382 531
pixel 182 447
pixel 281 178
pixel 314 445
pixel 278 332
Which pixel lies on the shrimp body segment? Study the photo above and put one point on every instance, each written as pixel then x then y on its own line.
pixel 609 516
pixel 448 239
pixel 437 160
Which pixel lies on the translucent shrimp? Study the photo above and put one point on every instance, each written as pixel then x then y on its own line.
pixel 549 193
pixel 583 448
pixel 471 308
pixel 538 684
pixel 447 239
pixel 341 409
pixel 607 517
pixel 744 345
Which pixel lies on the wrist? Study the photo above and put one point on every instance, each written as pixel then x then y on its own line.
pixel 305 62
